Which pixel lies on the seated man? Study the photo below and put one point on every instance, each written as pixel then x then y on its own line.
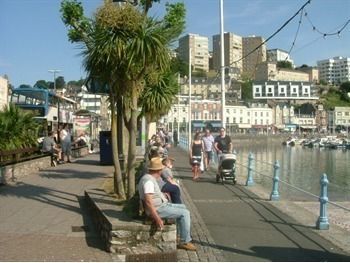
pixel 49 146
pixel 157 206
pixel 167 182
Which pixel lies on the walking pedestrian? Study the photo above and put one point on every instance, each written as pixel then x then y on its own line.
pixel 208 141
pixel 66 142
pixel 196 151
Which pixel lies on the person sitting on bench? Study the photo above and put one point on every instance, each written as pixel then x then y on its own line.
pixel 49 146
pixel 157 206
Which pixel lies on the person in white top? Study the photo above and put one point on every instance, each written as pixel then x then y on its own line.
pixel 66 142
pixel 208 141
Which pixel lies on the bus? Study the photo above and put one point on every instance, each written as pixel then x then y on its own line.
pixel 48 107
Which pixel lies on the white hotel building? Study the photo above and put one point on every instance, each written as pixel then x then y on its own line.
pixel 284 90
pixel 334 70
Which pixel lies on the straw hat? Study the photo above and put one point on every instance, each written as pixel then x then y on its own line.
pixel 155 164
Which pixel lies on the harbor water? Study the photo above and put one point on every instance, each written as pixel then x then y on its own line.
pixel 300 167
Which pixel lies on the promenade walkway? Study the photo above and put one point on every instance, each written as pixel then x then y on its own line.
pixel 43 217
pixel 247 227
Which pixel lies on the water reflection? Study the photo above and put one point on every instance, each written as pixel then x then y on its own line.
pixel 301 167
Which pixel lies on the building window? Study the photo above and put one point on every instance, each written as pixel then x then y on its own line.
pixel 227 120
pixel 183 109
pixel 240 120
pixel 227 111
pixel 234 119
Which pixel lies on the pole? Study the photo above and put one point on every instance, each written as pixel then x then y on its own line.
pixel 54 71
pixel 189 99
pixel 223 121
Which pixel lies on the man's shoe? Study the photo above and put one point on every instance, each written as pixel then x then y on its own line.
pixel 187 246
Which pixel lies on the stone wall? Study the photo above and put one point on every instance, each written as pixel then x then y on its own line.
pixel 128 238
pixel 11 173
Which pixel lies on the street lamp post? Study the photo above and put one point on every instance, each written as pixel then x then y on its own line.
pixel 189 100
pixel 54 71
pixel 223 120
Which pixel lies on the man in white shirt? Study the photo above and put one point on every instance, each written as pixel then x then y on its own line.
pixel 208 141
pixel 158 207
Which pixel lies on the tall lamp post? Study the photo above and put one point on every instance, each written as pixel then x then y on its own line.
pixel 223 118
pixel 189 100
pixel 54 71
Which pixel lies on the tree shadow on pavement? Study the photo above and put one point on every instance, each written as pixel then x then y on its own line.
pixel 281 254
pixel 71 174
pixel 61 199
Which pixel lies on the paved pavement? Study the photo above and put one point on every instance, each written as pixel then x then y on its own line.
pixel 245 226
pixel 43 217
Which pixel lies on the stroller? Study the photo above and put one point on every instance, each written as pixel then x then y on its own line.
pixel 227 168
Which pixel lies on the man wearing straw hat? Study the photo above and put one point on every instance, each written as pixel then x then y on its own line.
pixel 158 207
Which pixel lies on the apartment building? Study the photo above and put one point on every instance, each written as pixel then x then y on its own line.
pixel 258 56
pixel 3 92
pixel 232 49
pixel 210 88
pixel 199 46
pixel 276 55
pixel 334 70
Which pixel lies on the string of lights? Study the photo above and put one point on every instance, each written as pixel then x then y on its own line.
pixel 324 34
pixel 296 34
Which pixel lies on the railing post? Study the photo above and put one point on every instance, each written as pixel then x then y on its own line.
pixel 250 180
pixel 275 194
pixel 322 221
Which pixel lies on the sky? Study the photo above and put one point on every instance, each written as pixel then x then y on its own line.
pixel 33 38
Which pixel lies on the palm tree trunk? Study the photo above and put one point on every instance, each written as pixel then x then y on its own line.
pixel 118 181
pixel 132 146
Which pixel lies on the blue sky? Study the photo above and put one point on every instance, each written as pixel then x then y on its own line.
pixel 34 39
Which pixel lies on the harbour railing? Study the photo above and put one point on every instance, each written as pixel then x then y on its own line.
pixel 322 222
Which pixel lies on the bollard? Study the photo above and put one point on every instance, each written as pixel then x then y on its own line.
pixel 322 221
pixel 250 180
pixel 274 194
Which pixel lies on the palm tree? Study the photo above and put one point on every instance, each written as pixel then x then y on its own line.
pixel 18 129
pixel 156 99
pixel 121 47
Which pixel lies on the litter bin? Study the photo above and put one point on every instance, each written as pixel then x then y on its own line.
pixel 106 154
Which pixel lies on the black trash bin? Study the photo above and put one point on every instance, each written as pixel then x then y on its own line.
pixel 106 154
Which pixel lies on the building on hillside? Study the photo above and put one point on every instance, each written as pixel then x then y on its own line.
pixel 269 71
pixel 313 73
pixel 210 88
pixel 251 61
pixel 276 55
pixel 283 90
pixel 232 49
pixel 3 92
pixel 334 70
pixel 199 46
